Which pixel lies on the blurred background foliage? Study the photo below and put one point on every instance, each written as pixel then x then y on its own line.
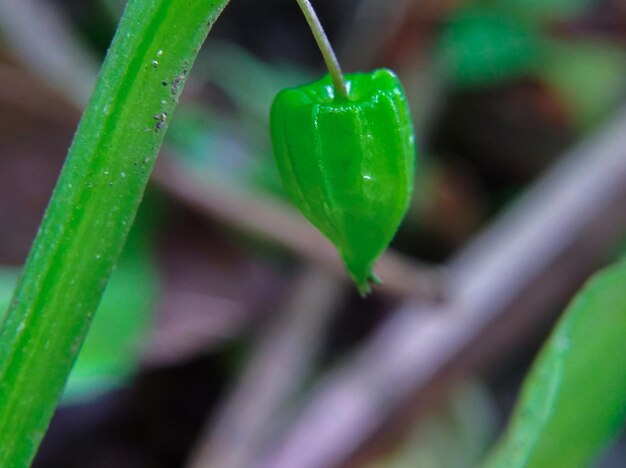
pixel 500 89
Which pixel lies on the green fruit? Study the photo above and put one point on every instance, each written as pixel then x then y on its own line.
pixel 348 164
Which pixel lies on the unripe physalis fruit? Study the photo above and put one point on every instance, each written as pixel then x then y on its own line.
pixel 347 162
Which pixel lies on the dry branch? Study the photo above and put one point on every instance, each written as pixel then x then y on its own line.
pixel 275 221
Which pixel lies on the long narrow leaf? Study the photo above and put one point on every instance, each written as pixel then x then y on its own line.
pixel 91 211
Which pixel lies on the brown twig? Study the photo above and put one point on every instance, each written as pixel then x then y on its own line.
pixel 280 362
pixel 42 39
pixel 274 220
pixel 23 91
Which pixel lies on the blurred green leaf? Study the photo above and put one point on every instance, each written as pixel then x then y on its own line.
pixel 219 149
pixel 480 47
pixel 227 145
pixel 234 145
pixel 589 76
pixel 247 80
pixel 8 280
pixel 574 399
pixel 193 133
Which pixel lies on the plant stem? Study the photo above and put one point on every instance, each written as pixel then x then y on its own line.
pixel 323 43
pixel 92 210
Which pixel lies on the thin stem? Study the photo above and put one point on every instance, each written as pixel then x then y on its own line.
pixel 324 45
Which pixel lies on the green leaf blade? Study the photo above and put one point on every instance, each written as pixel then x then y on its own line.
pixel 92 210
pixel 574 400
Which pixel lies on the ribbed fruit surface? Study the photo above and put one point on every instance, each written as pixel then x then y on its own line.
pixel 348 164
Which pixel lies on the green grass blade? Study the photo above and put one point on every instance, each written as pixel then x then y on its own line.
pixel 91 211
pixel 574 399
